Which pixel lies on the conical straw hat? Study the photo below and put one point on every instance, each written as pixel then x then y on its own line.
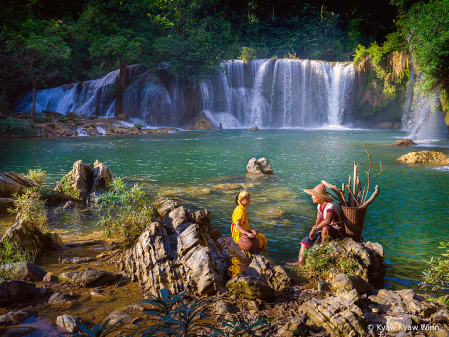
pixel 320 192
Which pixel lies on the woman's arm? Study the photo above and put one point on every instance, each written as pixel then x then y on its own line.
pixel 241 230
pixel 325 222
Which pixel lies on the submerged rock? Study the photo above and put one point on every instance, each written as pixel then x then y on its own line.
pixel 25 270
pixel 260 166
pixel 178 254
pixel 89 277
pixel 425 157
pixel 118 315
pixel 16 291
pixel 71 260
pixel 58 298
pixel 404 142
pixel 16 317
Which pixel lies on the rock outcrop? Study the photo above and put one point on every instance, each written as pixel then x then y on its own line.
pixel 367 259
pixel 25 271
pixel 30 238
pixel 259 166
pixel 202 122
pixel 259 281
pixel 404 142
pixel 425 157
pixel 69 323
pixel 14 183
pixel 81 181
pixel 178 254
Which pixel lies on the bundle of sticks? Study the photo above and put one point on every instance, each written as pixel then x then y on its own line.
pixel 357 196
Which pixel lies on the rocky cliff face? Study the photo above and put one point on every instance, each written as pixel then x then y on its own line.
pixel 380 89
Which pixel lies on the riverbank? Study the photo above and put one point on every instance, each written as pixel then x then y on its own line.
pixel 54 125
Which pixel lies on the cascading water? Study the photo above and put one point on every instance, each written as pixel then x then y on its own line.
pixel 281 93
pixel 265 93
pixel 421 116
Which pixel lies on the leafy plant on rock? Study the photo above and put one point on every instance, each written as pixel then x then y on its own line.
pixel 125 211
pixel 37 175
pixel 32 208
pixel 11 253
pixel 65 186
pixel 437 275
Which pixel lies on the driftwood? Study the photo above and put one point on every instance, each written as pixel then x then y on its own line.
pixel 371 199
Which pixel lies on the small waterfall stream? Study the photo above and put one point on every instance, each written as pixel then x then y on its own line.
pixel 273 93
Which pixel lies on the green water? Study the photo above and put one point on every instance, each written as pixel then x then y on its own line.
pixel 409 218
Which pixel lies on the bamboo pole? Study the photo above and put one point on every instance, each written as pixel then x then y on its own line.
pixel 354 187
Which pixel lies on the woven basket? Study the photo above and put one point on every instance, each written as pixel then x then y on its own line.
pixel 354 219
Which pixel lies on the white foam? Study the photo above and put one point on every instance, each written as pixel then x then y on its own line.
pixel 81 132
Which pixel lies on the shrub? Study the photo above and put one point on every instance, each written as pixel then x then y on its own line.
pixel 37 175
pixel 62 119
pixel 65 186
pixel 11 253
pixel 139 125
pixel 32 208
pixel 21 128
pixel 125 212
pixel 248 54
pixel 437 275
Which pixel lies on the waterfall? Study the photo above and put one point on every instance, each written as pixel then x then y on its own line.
pixel 279 93
pixel 421 115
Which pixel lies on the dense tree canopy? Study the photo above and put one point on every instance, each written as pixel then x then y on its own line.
pixel 191 38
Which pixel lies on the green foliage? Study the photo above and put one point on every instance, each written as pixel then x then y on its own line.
pixel 125 212
pixel 247 54
pixel 236 329
pixel 37 175
pixel 32 208
pixel 11 253
pixel 320 260
pixel 428 36
pixel 139 125
pixel 11 127
pixel 437 275
pixel 99 331
pixel 62 119
pixel 444 300
pixel 65 186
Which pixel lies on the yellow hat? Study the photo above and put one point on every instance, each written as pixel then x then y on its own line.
pixel 243 194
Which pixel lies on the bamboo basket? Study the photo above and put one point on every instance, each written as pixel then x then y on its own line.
pixel 354 219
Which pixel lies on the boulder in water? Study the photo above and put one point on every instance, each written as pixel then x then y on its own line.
pixel 254 128
pixel 425 157
pixel 260 166
pixel 16 291
pixel 202 122
pixel 25 271
pixel 69 323
pixel 89 277
pixel 404 142
pixel 102 177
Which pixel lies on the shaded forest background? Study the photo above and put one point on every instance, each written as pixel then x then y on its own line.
pixel 46 44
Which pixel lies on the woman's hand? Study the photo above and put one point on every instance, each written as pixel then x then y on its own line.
pixel 312 233
pixel 254 231
pixel 250 235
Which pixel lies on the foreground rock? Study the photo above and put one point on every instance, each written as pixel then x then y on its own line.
pixel 30 238
pixel 16 291
pixel 25 271
pixel 202 122
pixel 260 166
pixel 425 157
pixel 178 254
pixel 89 277
pixel 366 259
pixel 16 317
pixel 259 281
pixel 69 323
pixel 81 181
pixel 118 315
pixel 404 142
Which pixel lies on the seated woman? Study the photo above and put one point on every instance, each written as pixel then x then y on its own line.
pixel 326 224
pixel 240 224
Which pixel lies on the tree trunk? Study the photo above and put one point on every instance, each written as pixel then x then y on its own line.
pixel 34 102
pixel 3 112
pixel 119 97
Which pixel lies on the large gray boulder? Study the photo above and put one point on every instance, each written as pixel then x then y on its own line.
pixel 402 301
pixel 178 254
pixel 25 271
pixel 259 166
pixel 15 317
pixel 117 316
pixel 349 282
pixel 16 291
pixel 102 177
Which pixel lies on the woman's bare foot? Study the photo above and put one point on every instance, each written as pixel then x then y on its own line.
pixel 297 264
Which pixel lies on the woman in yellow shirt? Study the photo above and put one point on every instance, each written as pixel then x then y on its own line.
pixel 240 224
